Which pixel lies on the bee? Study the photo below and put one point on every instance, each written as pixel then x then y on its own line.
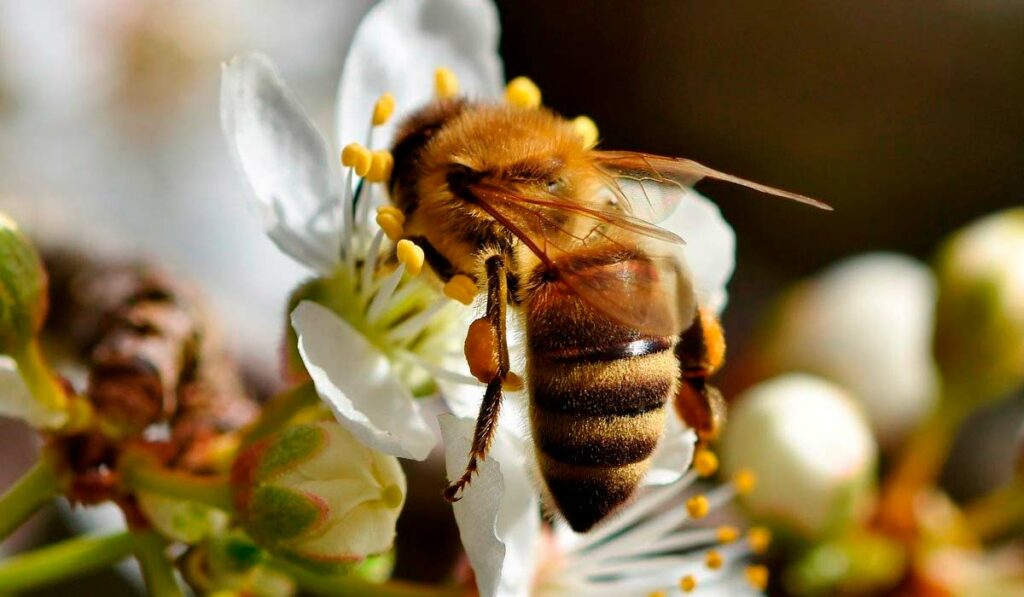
pixel 567 235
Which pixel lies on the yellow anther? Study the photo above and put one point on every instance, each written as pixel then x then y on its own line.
pixel 759 539
pixel 687 583
pixel 390 223
pixel 586 128
pixel 744 481
pixel 381 163
pixel 757 576
pixel 523 93
pixel 657 594
pixel 482 350
pixel 727 534
pixel 705 462
pixel 446 84
pixel 411 255
pixel 394 211
pixel 713 559
pixel 512 383
pixel 698 506
pixel 383 109
pixel 357 157
pixel 461 288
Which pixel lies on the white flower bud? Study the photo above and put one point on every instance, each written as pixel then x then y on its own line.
pixel 866 324
pixel 979 334
pixel 314 495
pixel 810 449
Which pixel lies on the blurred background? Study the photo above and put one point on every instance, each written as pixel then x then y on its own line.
pixel 907 117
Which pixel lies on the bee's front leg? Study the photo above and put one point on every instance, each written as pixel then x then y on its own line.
pixel 487 354
pixel 701 352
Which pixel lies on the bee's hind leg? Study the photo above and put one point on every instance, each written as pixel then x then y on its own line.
pixel 487 354
pixel 701 352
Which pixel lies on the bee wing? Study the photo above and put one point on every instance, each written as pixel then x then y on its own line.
pixel 630 270
pixel 650 187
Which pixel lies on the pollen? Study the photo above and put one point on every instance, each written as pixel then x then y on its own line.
pixel 757 576
pixel 446 84
pixel 744 481
pixel 390 220
pixel 522 93
pixel 705 462
pixel 383 109
pixel 657 594
pixel 727 534
pixel 357 157
pixel 698 506
pixel 512 383
pixel 461 288
pixel 411 255
pixel 759 539
pixel 713 559
pixel 586 128
pixel 482 350
pixel 381 163
pixel 687 583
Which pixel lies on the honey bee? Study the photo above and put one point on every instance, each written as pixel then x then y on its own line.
pixel 511 199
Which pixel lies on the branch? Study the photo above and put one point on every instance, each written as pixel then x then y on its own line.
pixel 68 559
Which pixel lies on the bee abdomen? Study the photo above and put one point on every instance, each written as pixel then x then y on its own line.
pixel 596 425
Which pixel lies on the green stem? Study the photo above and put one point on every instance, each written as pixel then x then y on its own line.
pixel 55 563
pixel 997 513
pixel 345 585
pixel 29 493
pixel 281 409
pixel 212 491
pixel 39 378
pixel 156 568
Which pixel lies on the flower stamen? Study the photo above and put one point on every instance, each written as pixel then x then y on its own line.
pixel 688 583
pixel 705 462
pixel 446 84
pixel 411 256
pixel 757 576
pixel 461 288
pixel 698 506
pixel 522 93
pixel 587 129
pixel 759 539
pixel 391 221
pixel 383 109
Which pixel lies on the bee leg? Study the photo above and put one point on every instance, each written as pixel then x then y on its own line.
pixel 487 353
pixel 701 352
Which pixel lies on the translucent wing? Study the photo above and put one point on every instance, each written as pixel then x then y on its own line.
pixel 630 270
pixel 649 187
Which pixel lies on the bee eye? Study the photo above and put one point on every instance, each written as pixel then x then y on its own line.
pixel 556 185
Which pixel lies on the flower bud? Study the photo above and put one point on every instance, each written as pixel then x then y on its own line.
pixel 315 495
pixel 181 520
pixel 22 288
pixel 865 324
pixel 811 451
pixel 230 564
pixel 979 328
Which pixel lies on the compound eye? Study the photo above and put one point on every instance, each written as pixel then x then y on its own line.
pixel 556 186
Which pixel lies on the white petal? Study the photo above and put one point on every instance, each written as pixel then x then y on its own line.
pixel 357 381
pixel 294 176
pixel 674 453
pixel 498 515
pixel 710 247
pixel 17 401
pixel 396 49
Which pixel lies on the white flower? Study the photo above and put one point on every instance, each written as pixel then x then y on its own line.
pixel 866 324
pixel 812 452
pixel 306 202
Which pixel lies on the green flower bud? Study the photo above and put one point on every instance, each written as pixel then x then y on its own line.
pixel 231 564
pixel 811 451
pixel 23 297
pixel 181 520
pixel 313 494
pixel 979 328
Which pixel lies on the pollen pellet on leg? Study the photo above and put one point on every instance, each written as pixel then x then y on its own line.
pixel 461 288
pixel 482 350
pixel 410 255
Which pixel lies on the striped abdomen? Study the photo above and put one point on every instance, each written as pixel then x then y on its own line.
pixel 597 400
